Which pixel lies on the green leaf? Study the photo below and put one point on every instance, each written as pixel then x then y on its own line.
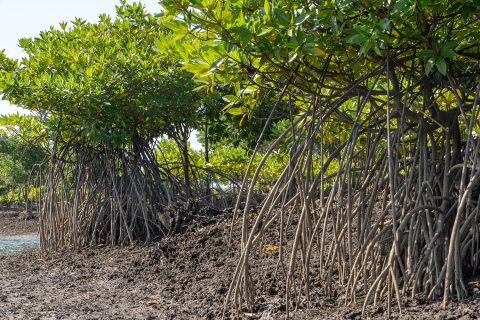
pixel 236 111
pixel 334 23
pixel 244 33
pixel 356 39
pixel 265 31
pixel 177 26
pixel 447 52
pixel 425 54
pixel 216 64
pixel 249 90
pixel 384 24
pixel 441 65
pixel 401 5
pixel 429 66
pixel 377 49
pixel 283 17
pixel 266 6
pixel 293 57
pixel 365 48
pixel 302 18
pixel 230 98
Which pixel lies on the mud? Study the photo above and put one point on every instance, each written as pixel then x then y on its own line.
pixel 184 276
pixel 14 222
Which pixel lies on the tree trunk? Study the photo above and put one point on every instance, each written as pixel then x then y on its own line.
pixel 208 192
pixel 183 148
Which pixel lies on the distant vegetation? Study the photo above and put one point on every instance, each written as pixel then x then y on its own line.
pixel 24 151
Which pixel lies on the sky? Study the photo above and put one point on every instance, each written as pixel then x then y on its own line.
pixel 26 18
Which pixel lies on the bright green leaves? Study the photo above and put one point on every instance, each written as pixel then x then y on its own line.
pixel 7 74
pixel 242 103
pixel 26 128
pixel 370 34
pixel 240 111
pixel 216 64
pixel 266 42
pixel 179 28
pixel 110 78
pixel 268 11
pixel 23 146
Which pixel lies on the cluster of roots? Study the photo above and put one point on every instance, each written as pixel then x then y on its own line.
pixel 102 196
pixel 390 212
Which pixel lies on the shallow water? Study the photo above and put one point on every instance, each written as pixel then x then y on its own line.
pixel 15 244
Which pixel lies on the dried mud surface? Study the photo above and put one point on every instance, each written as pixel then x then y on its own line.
pixel 185 276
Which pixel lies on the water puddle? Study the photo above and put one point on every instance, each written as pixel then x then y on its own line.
pixel 17 243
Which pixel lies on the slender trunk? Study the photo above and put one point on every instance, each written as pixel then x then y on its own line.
pixel 208 192
pixel 28 208
pixel 183 148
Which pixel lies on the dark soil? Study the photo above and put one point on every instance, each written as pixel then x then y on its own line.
pixel 184 276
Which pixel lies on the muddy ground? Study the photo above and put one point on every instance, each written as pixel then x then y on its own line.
pixel 15 222
pixel 185 276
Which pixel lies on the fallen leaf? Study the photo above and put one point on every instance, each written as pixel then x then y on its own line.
pixel 153 302
pixel 270 248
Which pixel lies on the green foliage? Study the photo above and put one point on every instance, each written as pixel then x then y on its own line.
pixel 170 158
pixel 383 92
pixel 106 79
pixel 23 150
pixel 256 44
pixel 30 129
pixel 227 163
pixel 241 125
pixel 333 53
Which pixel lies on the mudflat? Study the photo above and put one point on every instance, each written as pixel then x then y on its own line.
pixel 184 276
pixel 14 224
